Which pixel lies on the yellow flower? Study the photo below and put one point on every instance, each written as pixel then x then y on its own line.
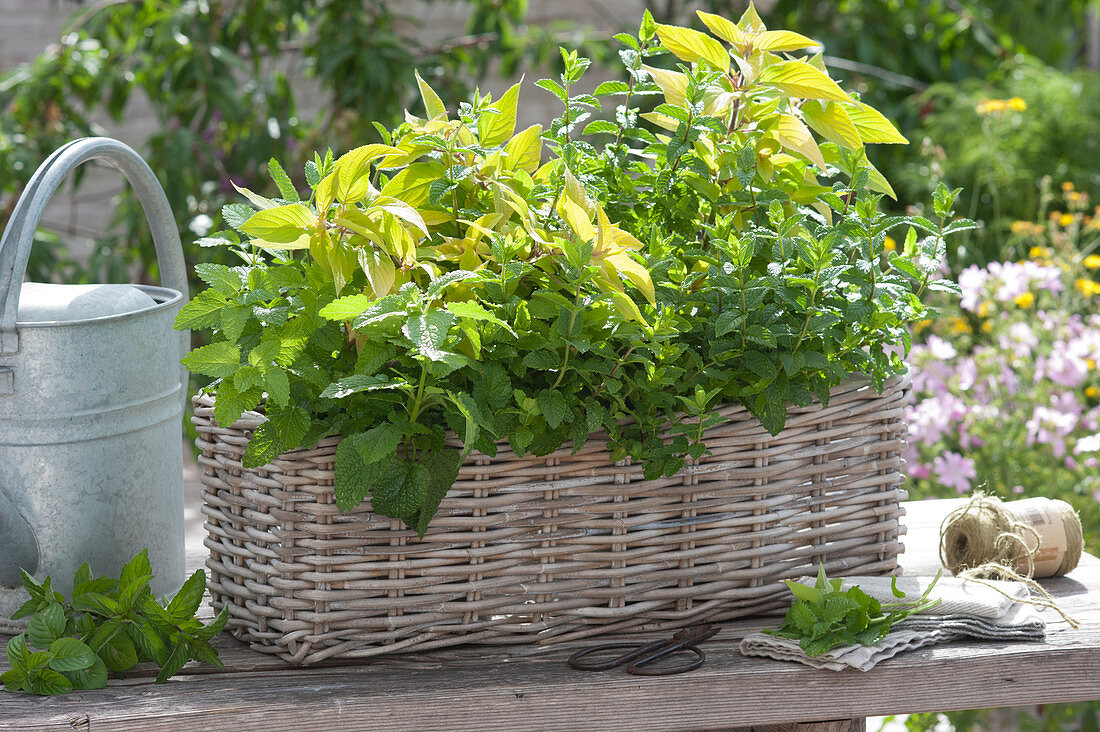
pixel 921 325
pixel 1077 197
pixel 1067 186
pixel 1091 363
pixel 1092 261
pixel 1021 227
pixel 959 325
pixel 1017 104
pixel 1065 219
pixel 1038 252
pixel 1088 287
pixel 890 244
pixel 1092 392
pixel 987 326
pixel 1025 300
pixel 990 106
pixel 983 309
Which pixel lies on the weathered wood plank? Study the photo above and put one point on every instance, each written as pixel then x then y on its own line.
pixel 487 688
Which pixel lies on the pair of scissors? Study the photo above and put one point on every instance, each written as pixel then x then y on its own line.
pixel 644 654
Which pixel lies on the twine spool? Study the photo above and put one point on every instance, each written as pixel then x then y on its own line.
pixel 1037 537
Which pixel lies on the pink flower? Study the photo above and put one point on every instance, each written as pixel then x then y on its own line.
pixel 1017 489
pixel 954 471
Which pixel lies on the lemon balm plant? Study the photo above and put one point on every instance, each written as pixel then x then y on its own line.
pixel 441 281
pixel 449 281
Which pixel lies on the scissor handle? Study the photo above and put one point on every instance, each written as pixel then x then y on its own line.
pixel 641 648
pixel 643 668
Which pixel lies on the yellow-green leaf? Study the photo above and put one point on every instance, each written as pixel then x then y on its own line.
pixel 876 181
pixel 433 105
pixel 627 307
pixel 525 149
pixel 280 225
pixel 794 135
pixel 353 181
pixel 256 199
pixel 872 126
pixel 379 269
pixel 662 120
pixel 302 242
pixel 800 79
pixel 413 184
pixel 494 129
pixel 781 40
pixel 325 193
pixel 357 221
pixel 672 83
pixel 724 29
pixel 401 210
pixel 576 218
pixel 750 21
pixel 435 218
pixel 691 46
pixel 830 121
pixel 575 191
pixel 624 240
pixel 634 272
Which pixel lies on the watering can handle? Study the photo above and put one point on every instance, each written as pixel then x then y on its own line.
pixel 15 245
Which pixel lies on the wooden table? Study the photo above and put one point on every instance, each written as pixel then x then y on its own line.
pixel 485 688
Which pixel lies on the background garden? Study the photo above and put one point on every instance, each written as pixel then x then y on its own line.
pixel 999 99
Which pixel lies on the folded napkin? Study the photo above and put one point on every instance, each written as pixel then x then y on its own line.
pixel 859 657
pixel 989 610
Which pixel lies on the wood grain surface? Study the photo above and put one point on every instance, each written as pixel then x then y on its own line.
pixel 528 687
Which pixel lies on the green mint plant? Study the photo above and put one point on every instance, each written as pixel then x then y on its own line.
pixel 108 625
pixel 449 290
pixel 824 616
pixel 749 180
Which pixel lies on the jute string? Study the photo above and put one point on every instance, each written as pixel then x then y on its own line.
pixel 983 540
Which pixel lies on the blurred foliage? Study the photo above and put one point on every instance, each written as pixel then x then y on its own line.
pixel 995 137
pixel 223 80
pixel 928 65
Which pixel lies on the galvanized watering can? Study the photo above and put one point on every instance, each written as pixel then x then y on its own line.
pixel 91 397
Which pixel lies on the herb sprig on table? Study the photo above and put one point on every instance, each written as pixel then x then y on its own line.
pixel 825 616
pixel 108 625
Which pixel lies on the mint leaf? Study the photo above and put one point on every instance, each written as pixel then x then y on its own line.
pixel 48 682
pixel 554 407
pixel 119 653
pixel 376 443
pixel 346 308
pixel 357 383
pixel 219 359
pixel 290 426
pixel 442 469
pixel 202 311
pixel 352 480
pixel 70 654
pixel 17 651
pixel 277 384
pixel 428 331
pixel 221 278
pixel 46 626
pixel 388 485
pixel 91 677
pixel 186 602
pixel 282 181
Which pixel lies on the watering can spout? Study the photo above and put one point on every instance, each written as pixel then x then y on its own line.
pixel 18 544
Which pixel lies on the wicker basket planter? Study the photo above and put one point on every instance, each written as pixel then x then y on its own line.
pixel 527 550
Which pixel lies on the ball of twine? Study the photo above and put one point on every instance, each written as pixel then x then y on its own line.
pixel 984 532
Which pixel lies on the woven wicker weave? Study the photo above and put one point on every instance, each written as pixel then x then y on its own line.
pixel 553 548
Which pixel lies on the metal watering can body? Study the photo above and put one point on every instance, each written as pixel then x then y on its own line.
pixel 91 405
